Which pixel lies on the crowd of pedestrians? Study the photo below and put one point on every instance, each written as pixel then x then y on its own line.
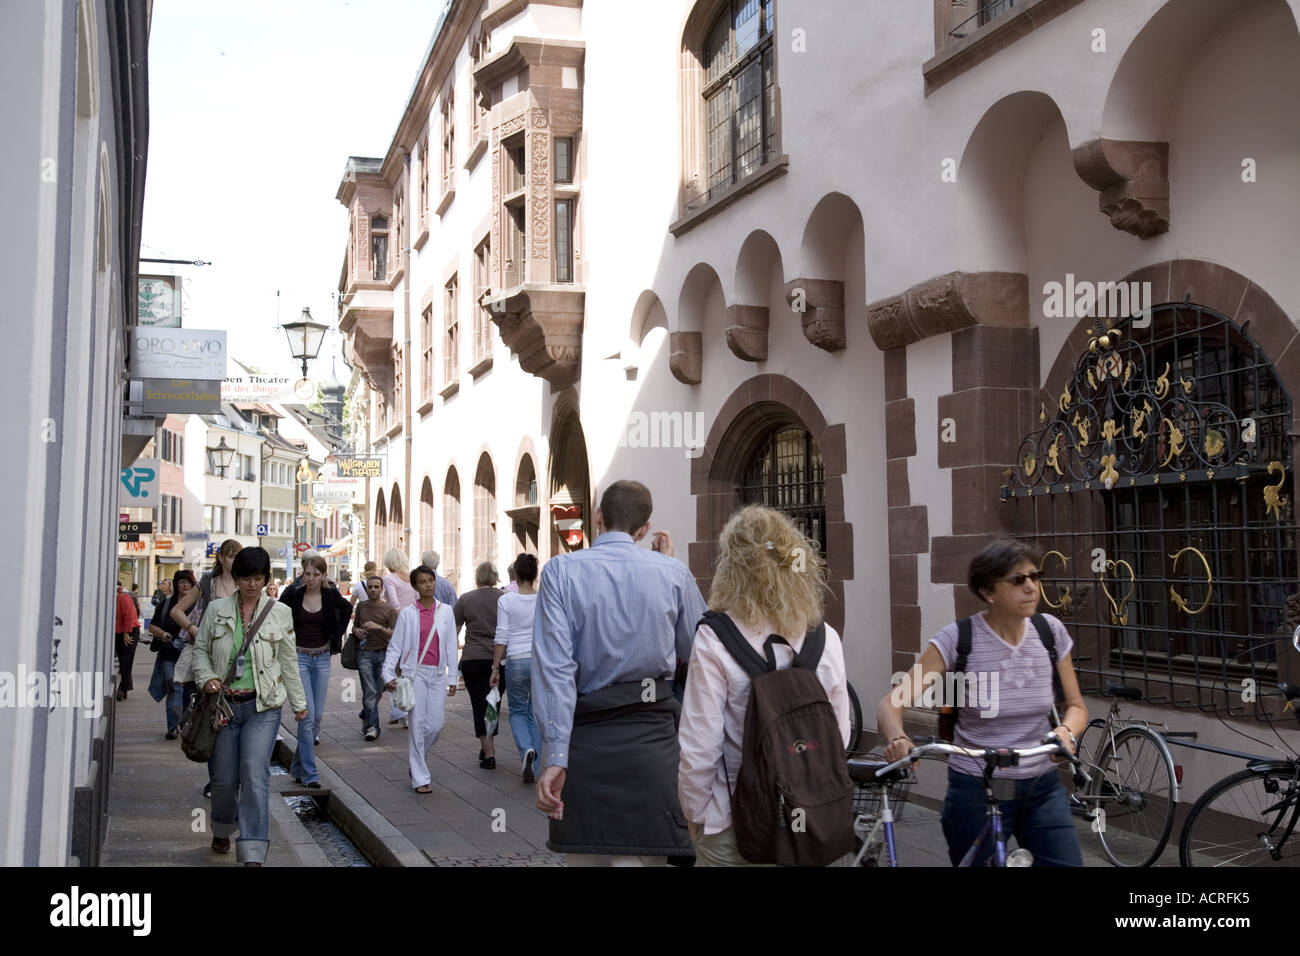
pixel 628 703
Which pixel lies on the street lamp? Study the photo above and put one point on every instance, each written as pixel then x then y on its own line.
pixel 238 499
pixel 305 337
pixel 221 456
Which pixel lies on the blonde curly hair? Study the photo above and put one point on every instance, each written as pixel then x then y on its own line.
pixel 768 571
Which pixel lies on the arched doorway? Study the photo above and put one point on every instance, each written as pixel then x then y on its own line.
pixel 1159 482
pixel 571 526
pixel 381 530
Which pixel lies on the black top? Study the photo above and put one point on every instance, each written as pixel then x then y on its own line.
pixel 170 628
pixel 335 614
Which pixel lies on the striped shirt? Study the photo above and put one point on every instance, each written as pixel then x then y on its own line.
pixel 1015 687
pixel 610 614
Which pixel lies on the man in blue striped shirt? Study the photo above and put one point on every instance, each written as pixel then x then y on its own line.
pixel 611 624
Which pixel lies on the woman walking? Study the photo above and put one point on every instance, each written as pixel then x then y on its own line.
pixel 759 590
pixel 170 642
pixel 188 613
pixel 423 647
pixel 126 635
pixel 265 675
pixel 514 644
pixel 398 593
pixel 476 611
pixel 320 616
pixel 1012 640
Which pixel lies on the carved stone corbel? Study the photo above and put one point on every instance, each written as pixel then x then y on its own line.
pixel 1133 178
pixel 947 303
pixel 820 306
pixel 747 332
pixel 686 356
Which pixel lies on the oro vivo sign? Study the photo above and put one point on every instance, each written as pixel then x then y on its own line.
pixel 179 353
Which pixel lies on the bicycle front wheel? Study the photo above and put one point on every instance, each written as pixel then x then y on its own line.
pixel 855 720
pixel 1133 793
pixel 1242 819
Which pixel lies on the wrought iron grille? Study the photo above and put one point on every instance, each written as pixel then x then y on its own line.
pixel 1163 502
pixel 787 474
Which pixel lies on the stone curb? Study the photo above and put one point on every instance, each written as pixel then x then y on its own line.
pixel 377 839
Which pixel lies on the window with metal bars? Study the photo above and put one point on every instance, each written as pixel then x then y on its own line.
pixel 739 101
pixel 1182 576
pixel 787 474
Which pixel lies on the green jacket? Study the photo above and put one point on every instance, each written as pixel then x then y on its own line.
pixel 274 652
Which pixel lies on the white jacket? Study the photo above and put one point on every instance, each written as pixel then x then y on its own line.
pixel 404 646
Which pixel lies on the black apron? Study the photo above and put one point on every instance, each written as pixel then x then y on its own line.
pixel 620 789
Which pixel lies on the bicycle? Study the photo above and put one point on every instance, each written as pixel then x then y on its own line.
pixel 993 760
pixel 1248 818
pixel 877 803
pixel 1125 783
pixel 855 720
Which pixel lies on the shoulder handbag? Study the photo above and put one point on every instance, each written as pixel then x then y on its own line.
pixel 403 695
pixel 350 649
pixel 209 713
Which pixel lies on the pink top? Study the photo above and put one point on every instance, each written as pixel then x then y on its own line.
pixel 713 717
pixel 426 625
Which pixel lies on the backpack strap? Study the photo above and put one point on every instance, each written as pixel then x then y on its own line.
pixel 749 659
pixel 964 635
pixel 1048 637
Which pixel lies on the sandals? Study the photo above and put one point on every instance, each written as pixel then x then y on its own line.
pixel 427 788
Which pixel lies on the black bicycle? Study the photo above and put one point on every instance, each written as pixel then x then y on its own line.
pixel 1248 818
pixel 855 720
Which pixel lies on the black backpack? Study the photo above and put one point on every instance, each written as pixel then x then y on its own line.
pixel 793 798
pixel 948 715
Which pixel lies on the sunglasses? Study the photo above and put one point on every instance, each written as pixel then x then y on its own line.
pixel 1017 579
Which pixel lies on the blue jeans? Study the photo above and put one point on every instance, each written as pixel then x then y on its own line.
pixel 177 703
pixel 519 684
pixel 369 665
pixel 1038 815
pixel 241 780
pixel 315 672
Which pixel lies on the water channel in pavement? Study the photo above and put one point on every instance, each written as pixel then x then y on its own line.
pixel 311 812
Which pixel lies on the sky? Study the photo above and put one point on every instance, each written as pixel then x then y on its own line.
pixel 254 108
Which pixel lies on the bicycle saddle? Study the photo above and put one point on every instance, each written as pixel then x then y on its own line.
pixel 1123 691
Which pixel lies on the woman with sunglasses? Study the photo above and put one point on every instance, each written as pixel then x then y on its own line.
pixel 1013 670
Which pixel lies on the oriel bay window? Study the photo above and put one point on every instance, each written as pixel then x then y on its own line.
pixel 379 247
pixel 564 240
pixel 1160 489
pixel 739 105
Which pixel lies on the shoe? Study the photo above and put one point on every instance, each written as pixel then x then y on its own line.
pixel 251 863
pixel 220 845
pixel 207 790
pixel 317 741
pixel 489 763
pixel 529 758
pixel 171 735
pixel 315 785
pixel 372 733
pixel 121 695
pixel 395 720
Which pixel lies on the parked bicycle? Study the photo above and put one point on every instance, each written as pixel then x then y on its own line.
pixel 878 802
pixel 1249 817
pixel 1125 783
pixel 855 720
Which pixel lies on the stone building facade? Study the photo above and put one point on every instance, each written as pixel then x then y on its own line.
pixel 814 255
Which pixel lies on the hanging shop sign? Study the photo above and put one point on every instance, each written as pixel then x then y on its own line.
pixel 158 301
pixel 178 353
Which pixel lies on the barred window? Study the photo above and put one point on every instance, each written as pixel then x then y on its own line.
pixel 740 106
pixel 1188 506
pixel 787 474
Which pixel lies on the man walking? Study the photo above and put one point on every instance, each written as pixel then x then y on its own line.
pixel 612 622
pixel 373 624
pixel 443 592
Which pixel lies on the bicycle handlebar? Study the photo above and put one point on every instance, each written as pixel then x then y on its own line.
pixel 990 756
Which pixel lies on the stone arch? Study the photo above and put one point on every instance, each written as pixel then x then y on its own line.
pixel 381 528
pixel 524 504
pixel 747 416
pixel 991 232
pixel 485 509
pixel 1213 286
pixel 643 341
pixel 396 521
pixel 569 480
pixel 427 517
pixel 831 271
pixel 701 304
pixel 451 526
pixel 748 320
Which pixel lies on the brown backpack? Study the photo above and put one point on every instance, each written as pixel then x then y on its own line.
pixel 793 798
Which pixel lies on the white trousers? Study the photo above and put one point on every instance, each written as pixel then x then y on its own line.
pixel 426 719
